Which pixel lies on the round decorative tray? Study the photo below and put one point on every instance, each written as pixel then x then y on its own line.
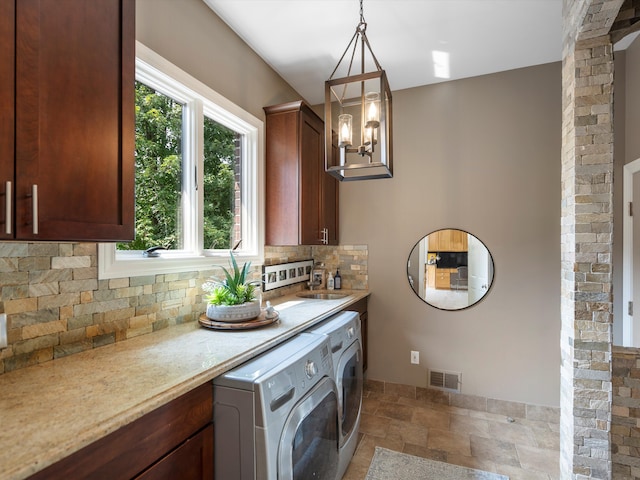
pixel 260 321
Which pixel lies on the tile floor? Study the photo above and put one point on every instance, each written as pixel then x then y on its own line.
pixel 522 449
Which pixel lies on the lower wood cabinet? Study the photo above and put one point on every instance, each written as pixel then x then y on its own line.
pixel 177 437
pixel 430 277
pixel 443 278
pixel 190 461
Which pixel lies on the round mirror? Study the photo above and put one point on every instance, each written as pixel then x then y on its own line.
pixel 450 269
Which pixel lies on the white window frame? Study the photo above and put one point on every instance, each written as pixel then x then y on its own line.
pixel 165 77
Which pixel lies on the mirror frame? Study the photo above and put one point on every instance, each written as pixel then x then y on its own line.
pixel 427 259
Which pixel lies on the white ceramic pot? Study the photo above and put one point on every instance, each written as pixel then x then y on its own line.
pixel 234 313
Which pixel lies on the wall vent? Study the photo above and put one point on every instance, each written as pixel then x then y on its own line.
pixel 450 381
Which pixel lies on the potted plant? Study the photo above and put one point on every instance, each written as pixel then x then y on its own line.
pixel 235 299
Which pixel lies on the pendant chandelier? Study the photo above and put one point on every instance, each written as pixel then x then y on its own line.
pixel 357 112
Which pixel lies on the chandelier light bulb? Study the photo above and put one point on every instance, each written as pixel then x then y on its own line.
pixel 372 101
pixel 345 129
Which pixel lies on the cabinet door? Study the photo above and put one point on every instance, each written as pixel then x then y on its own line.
pixel 434 242
pixel 7 107
pixel 330 201
pixel 75 70
pixel 431 276
pixel 364 322
pixel 302 200
pixel 193 460
pixel 456 240
pixel 282 203
pixel 311 176
pixel 444 239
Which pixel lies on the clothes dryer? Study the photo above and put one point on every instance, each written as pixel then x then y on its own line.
pixel 275 416
pixel 345 335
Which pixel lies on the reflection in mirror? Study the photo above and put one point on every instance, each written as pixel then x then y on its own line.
pixel 450 269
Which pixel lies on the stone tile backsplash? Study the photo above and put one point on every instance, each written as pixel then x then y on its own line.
pixel 56 306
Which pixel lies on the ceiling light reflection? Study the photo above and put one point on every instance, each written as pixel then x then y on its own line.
pixel 440 64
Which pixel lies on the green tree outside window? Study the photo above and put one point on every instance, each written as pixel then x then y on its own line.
pixel 158 163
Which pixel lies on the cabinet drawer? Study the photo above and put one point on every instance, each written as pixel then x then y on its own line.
pixel 443 278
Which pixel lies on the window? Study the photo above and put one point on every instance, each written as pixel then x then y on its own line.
pixel 198 177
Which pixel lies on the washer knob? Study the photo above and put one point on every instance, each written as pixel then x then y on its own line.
pixel 310 368
pixel 351 332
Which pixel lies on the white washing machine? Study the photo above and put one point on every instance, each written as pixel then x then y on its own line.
pixel 345 335
pixel 275 417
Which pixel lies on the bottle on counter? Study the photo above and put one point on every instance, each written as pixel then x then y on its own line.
pixel 330 282
pixel 337 280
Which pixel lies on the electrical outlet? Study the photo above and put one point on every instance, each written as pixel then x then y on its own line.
pixel 3 330
pixel 415 357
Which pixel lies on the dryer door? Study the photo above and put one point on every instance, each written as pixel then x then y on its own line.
pixel 349 381
pixel 309 444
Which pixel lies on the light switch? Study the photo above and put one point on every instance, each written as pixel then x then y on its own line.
pixel 415 357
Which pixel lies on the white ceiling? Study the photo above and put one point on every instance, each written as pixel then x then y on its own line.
pixel 304 39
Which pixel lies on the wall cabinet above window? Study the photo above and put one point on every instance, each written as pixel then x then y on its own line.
pixel 301 199
pixel 67 129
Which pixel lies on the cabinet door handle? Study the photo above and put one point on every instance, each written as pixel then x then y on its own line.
pixel 34 203
pixel 7 208
pixel 325 236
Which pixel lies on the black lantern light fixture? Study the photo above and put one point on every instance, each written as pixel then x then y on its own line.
pixel 357 112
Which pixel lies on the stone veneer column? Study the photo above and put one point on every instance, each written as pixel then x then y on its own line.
pixel 587 226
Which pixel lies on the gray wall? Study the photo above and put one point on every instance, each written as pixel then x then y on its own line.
pixel 191 36
pixel 482 155
pixel 632 102
pixel 626 149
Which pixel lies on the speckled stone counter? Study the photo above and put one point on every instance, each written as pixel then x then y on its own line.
pixel 51 410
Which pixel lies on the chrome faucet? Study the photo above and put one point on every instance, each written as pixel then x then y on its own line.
pixel 317 276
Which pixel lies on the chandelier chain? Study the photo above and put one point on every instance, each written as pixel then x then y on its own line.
pixel 361 35
pixel 362 26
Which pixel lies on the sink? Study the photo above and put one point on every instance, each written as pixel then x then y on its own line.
pixel 322 296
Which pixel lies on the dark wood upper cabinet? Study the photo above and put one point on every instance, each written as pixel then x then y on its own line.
pixel 71 167
pixel 7 115
pixel 301 199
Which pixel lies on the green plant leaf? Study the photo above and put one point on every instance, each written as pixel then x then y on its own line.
pixel 234 290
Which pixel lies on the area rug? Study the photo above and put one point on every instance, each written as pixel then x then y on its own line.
pixel 390 465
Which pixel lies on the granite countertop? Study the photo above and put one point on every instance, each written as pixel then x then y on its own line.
pixel 49 411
